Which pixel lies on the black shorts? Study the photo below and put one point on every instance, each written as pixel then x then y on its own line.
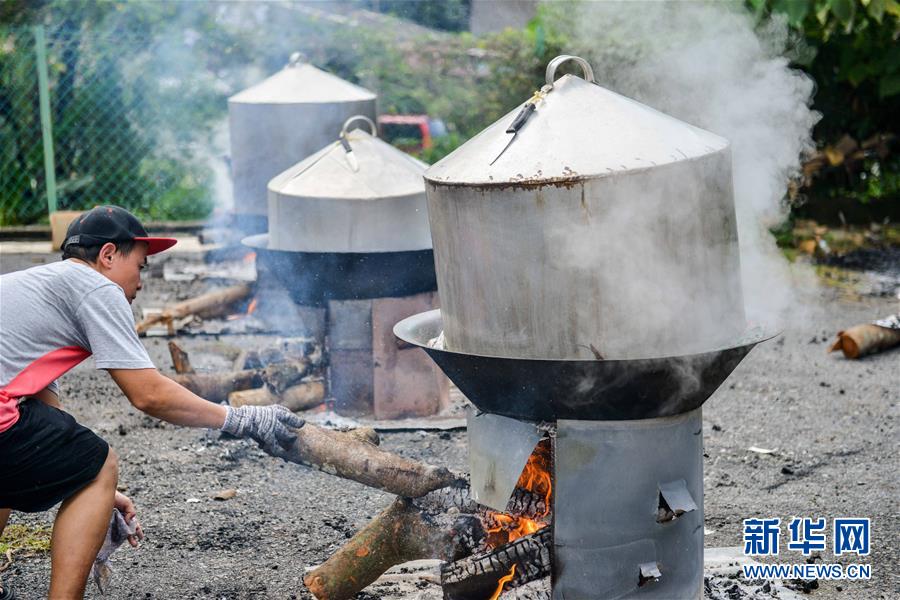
pixel 46 457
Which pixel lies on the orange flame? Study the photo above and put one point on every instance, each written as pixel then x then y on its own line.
pixel 250 310
pixel 535 478
pixel 249 257
pixel 503 581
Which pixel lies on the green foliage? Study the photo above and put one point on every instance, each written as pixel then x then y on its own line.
pixel 30 539
pixel 126 128
pixel 446 15
pixel 851 49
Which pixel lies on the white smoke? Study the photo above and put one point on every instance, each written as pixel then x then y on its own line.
pixel 711 65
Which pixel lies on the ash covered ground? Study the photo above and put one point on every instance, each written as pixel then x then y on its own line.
pixel 831 423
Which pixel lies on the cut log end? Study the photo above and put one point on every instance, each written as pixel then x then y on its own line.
pixel 862 340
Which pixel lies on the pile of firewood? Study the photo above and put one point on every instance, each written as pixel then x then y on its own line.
pixel 289 374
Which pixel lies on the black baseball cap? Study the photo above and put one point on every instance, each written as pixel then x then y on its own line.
pixel 104 224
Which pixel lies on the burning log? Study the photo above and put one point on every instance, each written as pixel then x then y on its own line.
pixel 478 576
pixel 399 534
pixel 866 339
pixel 180 359
pixel 210 304
pixel 445 524
pixel 215 387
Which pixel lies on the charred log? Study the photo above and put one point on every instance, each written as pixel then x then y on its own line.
pixel 476 576
pixel 401 533
pixel 451 523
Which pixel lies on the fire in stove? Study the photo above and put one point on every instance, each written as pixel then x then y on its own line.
pixel 536 478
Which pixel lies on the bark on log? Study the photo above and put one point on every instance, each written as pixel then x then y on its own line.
pixel 345 456
pixel 397 535
pixel 304 395
pixel 365 434
pixel 181 361
pixel 865 339
pixel 215 387
pixel 210 304
pixel 280 376
pixel 455 539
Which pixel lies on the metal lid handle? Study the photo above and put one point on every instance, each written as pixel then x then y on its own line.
pixel 345 128
pixel 553 64
pixel 296 59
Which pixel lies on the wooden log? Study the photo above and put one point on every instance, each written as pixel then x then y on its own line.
pixel 215 387
pixel 261 396
pixel 207 305
pixel 357 563
pixel 861 340
pixel 346 456
pixel 282 375
pixel 365 434
pixel 397 535
pixel 304 395
pixel 181 362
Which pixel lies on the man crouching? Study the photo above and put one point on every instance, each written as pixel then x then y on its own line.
pixel 53 317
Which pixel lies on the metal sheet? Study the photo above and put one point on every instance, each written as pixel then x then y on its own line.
pixel 607 227
pixel 547 390
pixel 282 120
pixel 350 325
pixel 325 203
pixel 579 130
pixel 677 497
pixel 499 447
pixel 607 478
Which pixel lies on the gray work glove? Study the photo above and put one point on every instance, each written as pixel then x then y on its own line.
pixel 271 426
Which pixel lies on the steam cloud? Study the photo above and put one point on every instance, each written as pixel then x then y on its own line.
pixel 710 65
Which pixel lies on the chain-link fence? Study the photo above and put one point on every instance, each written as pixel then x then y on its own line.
pixel 90 117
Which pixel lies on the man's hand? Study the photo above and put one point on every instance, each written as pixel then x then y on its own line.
pixel 271 426
pixel 126 507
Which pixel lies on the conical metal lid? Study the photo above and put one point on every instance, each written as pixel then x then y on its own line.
pixel 576 130
pixel 359 166
pixel 300 83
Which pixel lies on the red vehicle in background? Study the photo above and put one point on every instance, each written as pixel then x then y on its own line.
pixel 410 133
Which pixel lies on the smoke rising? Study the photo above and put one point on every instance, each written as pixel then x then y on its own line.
pixel 710 65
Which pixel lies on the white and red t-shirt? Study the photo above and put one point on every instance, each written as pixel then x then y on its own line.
pixel 51 318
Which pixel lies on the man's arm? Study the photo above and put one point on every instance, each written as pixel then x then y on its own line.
pixel 273 427
pixel 153 393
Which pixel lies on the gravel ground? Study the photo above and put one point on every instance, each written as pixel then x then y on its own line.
pixel 831 423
